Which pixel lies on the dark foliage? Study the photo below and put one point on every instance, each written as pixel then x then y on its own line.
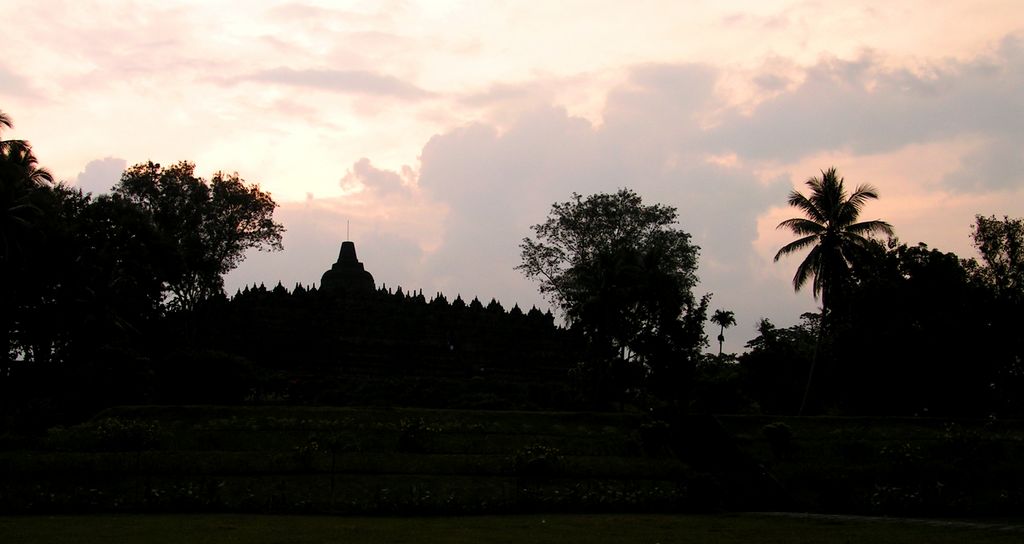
pixel 830 228
pixel 775 368
pixel 84 320
pixel 623 276
pixel 921 332
pixel 210 224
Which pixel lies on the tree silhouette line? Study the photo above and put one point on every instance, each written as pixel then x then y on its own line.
pixel 118 298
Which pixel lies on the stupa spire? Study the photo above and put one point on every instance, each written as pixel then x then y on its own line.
pixel 348 274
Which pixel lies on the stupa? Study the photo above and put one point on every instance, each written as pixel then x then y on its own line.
pixel 347 275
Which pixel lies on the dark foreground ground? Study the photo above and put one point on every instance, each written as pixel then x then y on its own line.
pixel 415 462
pixel 726 528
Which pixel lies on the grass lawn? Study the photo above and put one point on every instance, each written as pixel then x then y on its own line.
pixel 727 528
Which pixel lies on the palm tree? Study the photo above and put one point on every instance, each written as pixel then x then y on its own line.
pixel 831 230
pixel 836 239
pixel 19 165
pixel 6 145
pixel 20 177
pixel 17 161
pixel 724 319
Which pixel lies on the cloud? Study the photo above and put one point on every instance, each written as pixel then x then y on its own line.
pixel 100 175
pixel 361 82
pixel 316 15
pixel 668 133
pixel 12 84
pixel 315 229
pixel 868 107
pixel 996 164
pixel 496 183
pixel 364 176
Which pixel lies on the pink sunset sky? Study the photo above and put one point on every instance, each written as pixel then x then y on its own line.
pixel 443 130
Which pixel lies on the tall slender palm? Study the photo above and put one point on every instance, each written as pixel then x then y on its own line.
pixel 20 177
pixel 830 228
pixel 724 319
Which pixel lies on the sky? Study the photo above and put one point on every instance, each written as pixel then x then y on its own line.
pixel 442 130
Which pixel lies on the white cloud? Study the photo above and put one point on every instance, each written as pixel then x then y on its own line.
pixel 868 107
pixel 100 175
pixel 364 176
pixel 341 81
pixel 485 184
pixel 716 115
pixel 13 84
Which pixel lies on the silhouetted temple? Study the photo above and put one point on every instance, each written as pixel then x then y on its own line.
pixel 347 275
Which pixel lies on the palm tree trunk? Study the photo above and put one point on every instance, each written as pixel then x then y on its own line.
pixel 814 355
pixel 810 373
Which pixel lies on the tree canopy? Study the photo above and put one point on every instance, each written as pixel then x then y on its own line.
pixel 724 319
pixel 1001 244
pixel 621 272
pixel 211 223
pixel 581 232
pixel 85 283
pixel 831 230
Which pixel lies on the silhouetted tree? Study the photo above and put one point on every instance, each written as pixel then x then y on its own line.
pixel 1001 244
pixel 23 194
pixel 98 277
pixel 909 343
pixel 212 224
pixel 776 364
pixel 622 274
pixel 831 230
pixel 724 319
pixel 835 238
pixel 20 179
pixel 17 160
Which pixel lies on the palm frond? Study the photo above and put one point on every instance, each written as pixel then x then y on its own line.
pixel 808 267
pixel 796 245
pixel 870 227
pixel 862 194
pixel 851 207
pixel 801 227
pixel 831 231
pixel 40 176
pixel 810 209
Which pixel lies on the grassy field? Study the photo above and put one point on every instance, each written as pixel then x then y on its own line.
pixel 414 462
pixel 887 465
pixel 353 461
pixel 725 529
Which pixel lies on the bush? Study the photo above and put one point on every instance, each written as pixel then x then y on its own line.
pixel 107 434
pixel 415 435
pixel 656 438
pixel 779 436
pixel 538 462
